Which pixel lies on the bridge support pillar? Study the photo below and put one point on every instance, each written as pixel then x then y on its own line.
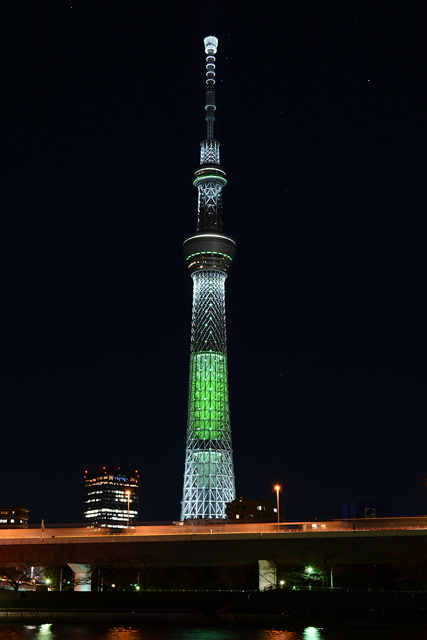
pixel 82 576
pixel 267 575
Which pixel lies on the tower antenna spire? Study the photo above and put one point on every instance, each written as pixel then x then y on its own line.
pixel 209 148
pixel 211 46
pixel 209 471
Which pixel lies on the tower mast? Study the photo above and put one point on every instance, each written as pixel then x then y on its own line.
pixel 209 473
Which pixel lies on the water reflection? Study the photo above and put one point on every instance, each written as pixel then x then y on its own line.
pixel 41 631
pixel 150 633
pixel 124 633
pixel 309 633
pixel 208 633
pixel 94 631
pixel 279 634
pixel 45 632
pixel 312 633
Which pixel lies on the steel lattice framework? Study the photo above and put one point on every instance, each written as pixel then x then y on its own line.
pixel 209 473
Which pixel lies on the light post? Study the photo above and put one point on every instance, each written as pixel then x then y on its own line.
pixel 128 495
pixel 309 571
pixel 277 488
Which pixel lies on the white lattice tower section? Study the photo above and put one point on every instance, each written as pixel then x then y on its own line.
pixel 209 205
pixel 209 152
pixel 209 476
pixel 208 331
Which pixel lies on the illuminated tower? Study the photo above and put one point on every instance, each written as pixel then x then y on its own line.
pixel 209 473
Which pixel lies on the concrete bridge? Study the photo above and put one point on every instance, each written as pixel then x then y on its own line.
pixel 210 545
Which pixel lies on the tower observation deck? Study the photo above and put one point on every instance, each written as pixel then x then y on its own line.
pixel 209 473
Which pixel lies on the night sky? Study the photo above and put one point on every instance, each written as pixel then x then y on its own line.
pixel 321 119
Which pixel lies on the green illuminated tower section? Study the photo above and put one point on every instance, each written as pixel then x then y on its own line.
pixel 209 473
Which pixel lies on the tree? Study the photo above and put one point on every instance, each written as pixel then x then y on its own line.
pixel 109 572
pixel 16 574
pixel 230 576
pixel 182 578
pixel 412 561
pixel 150 571
pixel 55 575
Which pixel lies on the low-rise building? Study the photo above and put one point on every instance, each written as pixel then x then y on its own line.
pixel 252 511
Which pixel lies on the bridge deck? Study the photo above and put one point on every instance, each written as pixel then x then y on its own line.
pixel 206 545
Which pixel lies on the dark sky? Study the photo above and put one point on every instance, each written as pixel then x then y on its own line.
pixel 321 118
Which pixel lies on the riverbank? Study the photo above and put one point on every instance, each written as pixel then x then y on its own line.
pixel 230 607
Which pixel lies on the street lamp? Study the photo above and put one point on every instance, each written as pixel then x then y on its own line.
pixel 309 571
pixel 128 495
pixel 277 489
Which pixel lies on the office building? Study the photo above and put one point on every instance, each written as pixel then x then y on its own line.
pixel 111 497
pixel 13 518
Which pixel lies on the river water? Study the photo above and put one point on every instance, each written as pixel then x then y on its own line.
pixel 17 631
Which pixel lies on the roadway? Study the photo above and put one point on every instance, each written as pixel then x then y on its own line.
pixel 213 544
